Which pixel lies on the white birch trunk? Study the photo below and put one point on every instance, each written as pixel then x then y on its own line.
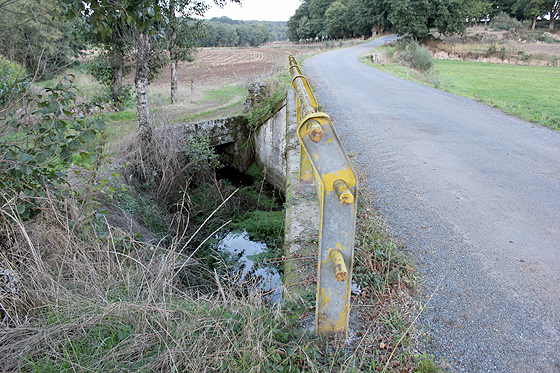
pixel 141 85
pixel 174 82
pixel 173 51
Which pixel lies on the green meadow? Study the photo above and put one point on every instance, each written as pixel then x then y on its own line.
pixel 531 93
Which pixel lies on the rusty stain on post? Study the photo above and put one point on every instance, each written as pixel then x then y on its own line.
pixel 308 105
pixel 315 130
pixel 339 267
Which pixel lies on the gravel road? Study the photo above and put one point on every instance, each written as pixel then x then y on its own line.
pixel 474 194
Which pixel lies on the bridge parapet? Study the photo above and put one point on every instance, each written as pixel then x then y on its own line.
pixel 219 131
pixel 234 139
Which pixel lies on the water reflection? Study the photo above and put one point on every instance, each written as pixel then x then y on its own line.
pixel 239 244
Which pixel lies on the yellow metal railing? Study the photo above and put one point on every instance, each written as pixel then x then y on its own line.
pixel 323 158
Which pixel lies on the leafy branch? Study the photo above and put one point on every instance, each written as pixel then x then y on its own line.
pixel 37 149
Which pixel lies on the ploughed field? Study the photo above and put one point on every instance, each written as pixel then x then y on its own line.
pixel 218 66
pixel 215 84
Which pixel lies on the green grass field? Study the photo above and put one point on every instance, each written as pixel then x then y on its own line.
pixel 531 93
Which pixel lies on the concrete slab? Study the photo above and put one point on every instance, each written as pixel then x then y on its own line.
pixel 302 219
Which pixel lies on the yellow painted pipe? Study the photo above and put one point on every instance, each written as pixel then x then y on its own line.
pixel 344 195
pixel 338 265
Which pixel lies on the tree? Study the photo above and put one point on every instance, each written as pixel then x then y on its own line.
pixel 530 9
pixel 506 6
pixel 553 11
pixel 182 33
pixel 335 17
pixel 317 10
pixel 407 17
pixel 217 34
pixel 477 10
pixel 33 36
pixel 109 67
pixel 378 12
pixel 309 20
pixel 533 9
pixel 259 33
pixel 358 18
pixel 298 21
pixel 416 17
pixel 41 132
pixel 148 20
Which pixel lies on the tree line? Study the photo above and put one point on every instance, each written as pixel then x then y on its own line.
pixel 225 32
pixel 323 19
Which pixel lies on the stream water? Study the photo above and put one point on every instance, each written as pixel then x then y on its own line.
pixel 251 256
pixel 267 280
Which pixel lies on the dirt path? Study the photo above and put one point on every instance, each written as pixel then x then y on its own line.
pixel 475 195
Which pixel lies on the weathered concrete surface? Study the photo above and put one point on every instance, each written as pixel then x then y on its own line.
pixel 302 218
pixel 220 131
pixel 270 148
pixel 277 152
pixel 230 136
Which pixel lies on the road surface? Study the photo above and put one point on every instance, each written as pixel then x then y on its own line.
pixel 474 194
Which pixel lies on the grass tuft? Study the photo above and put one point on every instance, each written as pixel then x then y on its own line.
pixel 417 56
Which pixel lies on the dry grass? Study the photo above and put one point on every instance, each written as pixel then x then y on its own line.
pixel 386 303
pixel 91 297
pixel 80 291
pixel 105 302
pixel 487 45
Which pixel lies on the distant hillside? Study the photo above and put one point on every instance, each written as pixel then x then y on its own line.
pixel 226 32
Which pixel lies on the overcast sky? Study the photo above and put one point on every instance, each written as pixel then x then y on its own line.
pixel 256 10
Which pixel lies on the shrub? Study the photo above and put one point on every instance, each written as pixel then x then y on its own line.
pixel 37 149
pixel 504 22
pixel 548 38
pixel 494 51
pixel 417 56
pixel 102 71
pixel 13 82
pixel 267 102
pixel 107 302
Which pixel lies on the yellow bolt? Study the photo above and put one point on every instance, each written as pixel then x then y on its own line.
pixel 315 130
pixel 338 265
pixel 344 195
